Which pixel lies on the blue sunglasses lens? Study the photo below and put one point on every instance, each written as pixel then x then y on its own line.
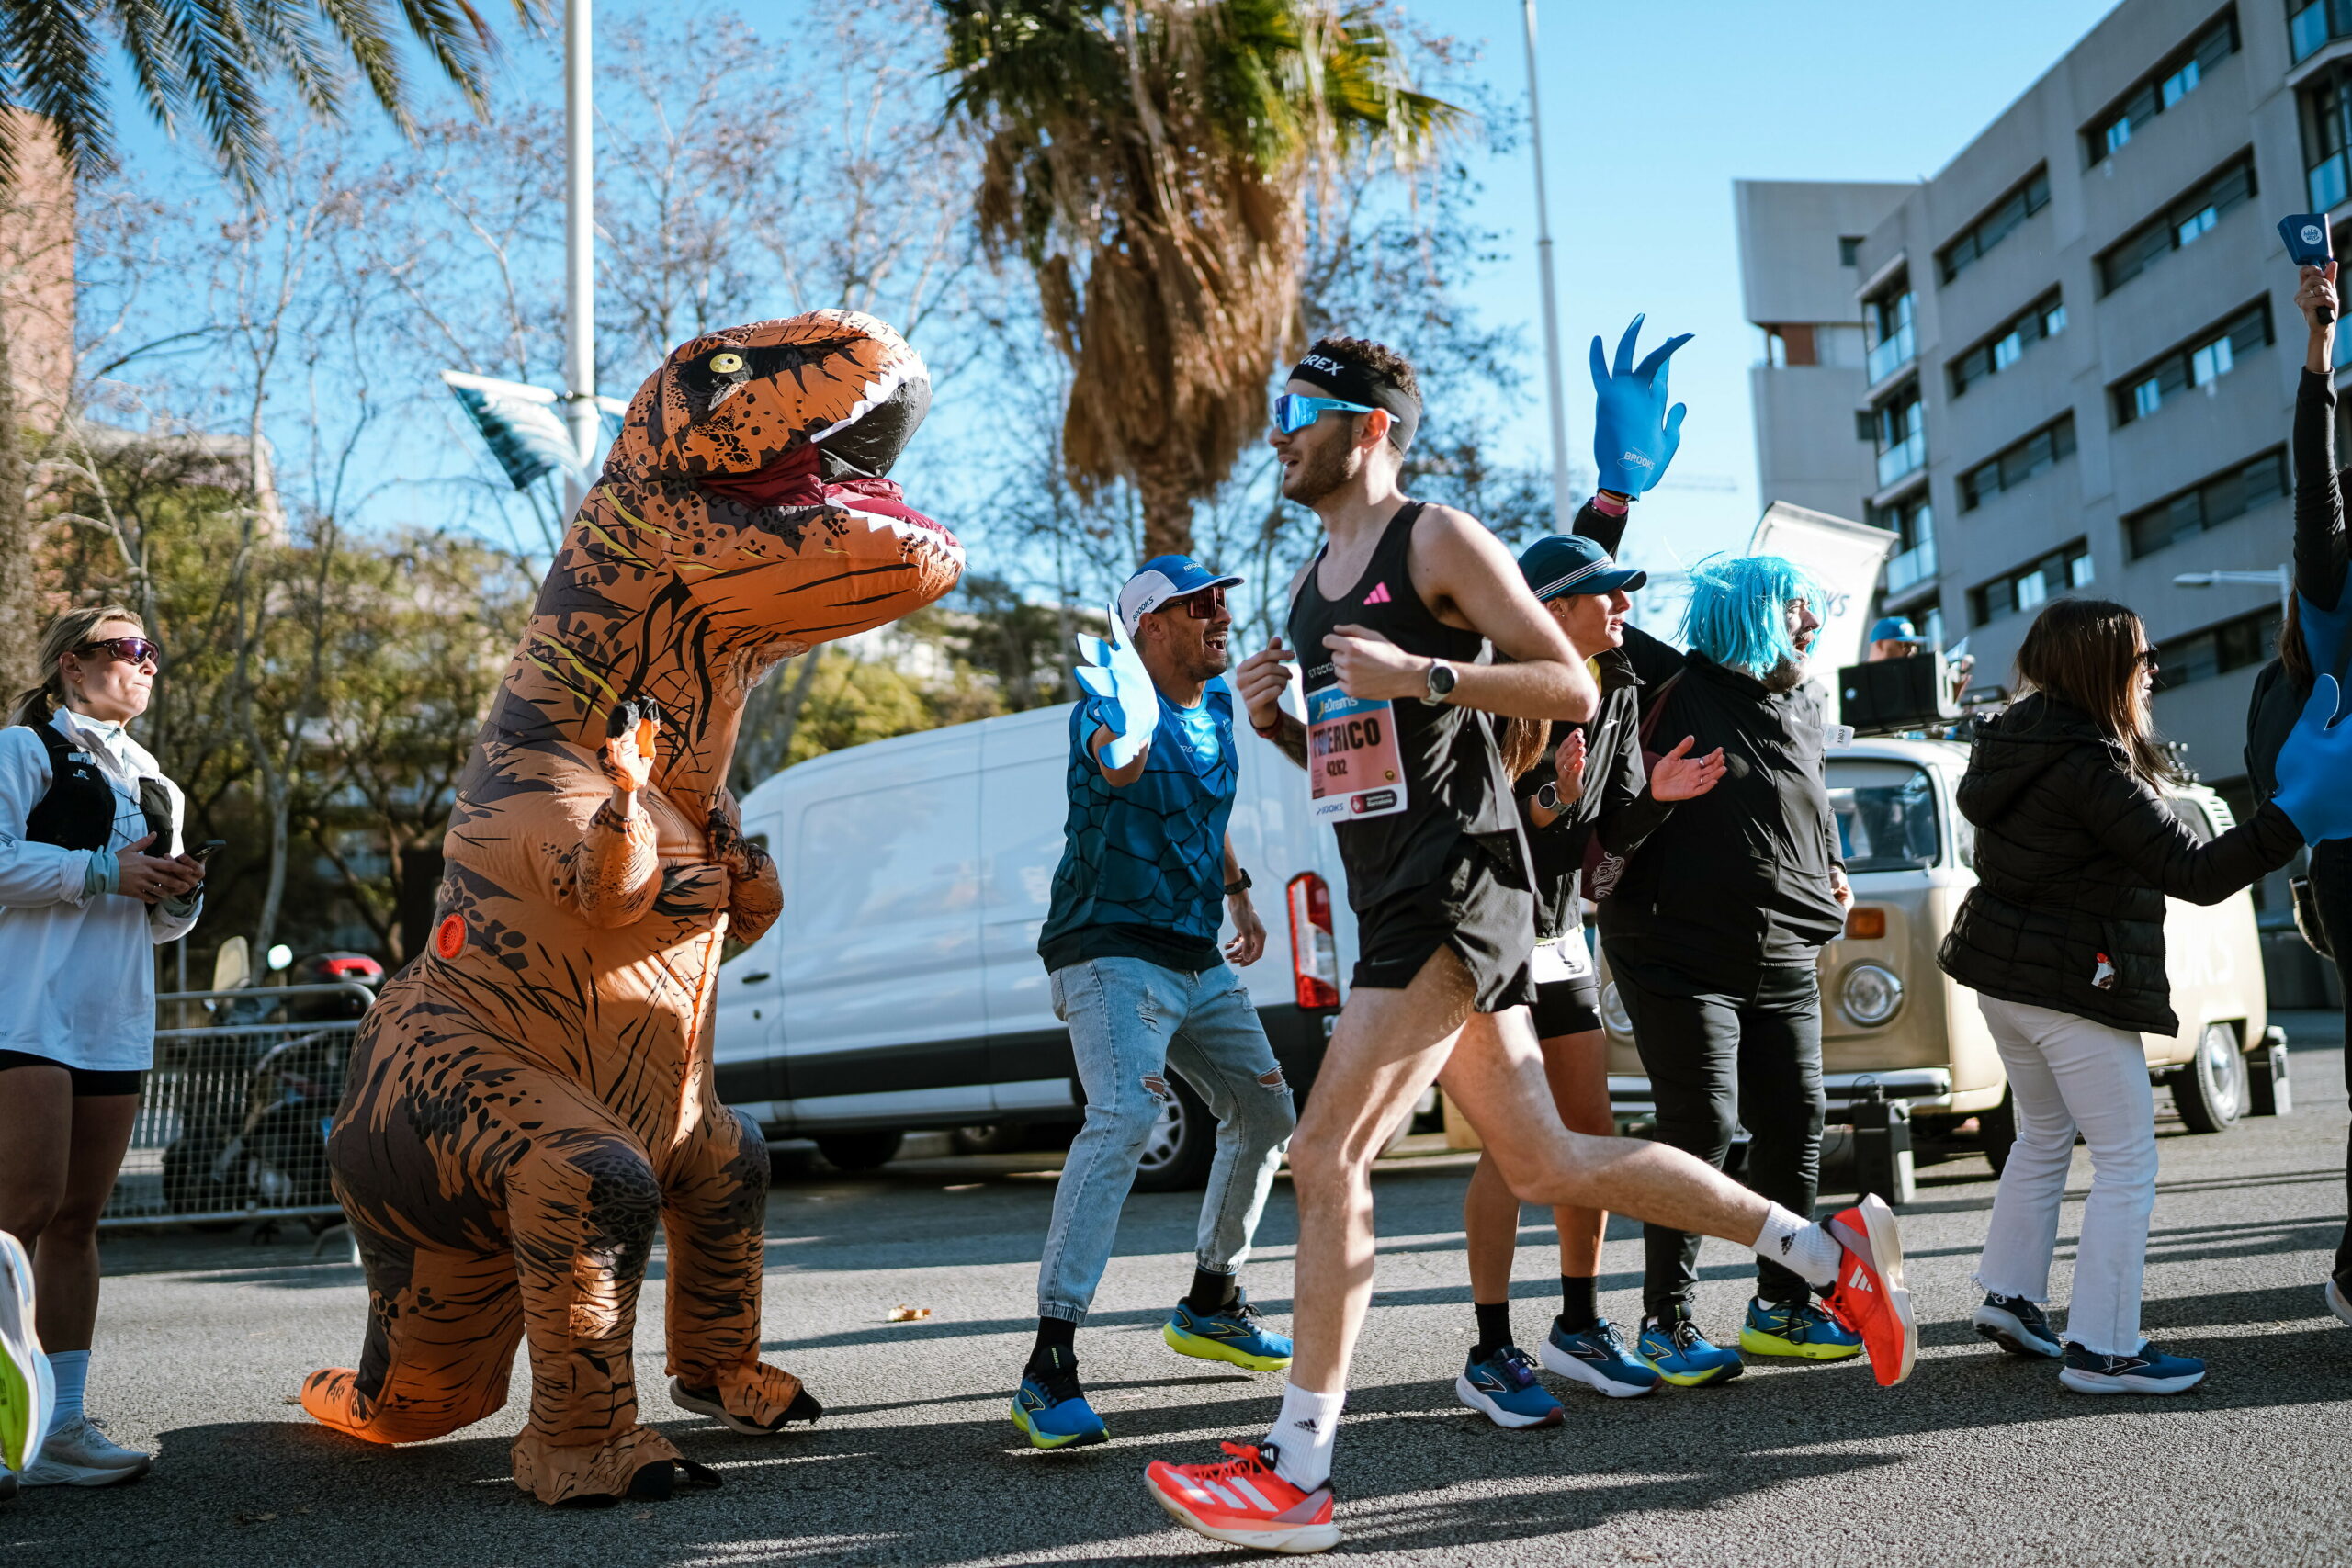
pixel 1294 411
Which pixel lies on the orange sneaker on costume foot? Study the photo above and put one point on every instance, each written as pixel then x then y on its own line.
pixel 1869 1297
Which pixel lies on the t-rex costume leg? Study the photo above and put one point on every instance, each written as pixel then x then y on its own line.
pixel 530 1098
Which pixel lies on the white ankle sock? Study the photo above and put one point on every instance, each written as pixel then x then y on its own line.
pixel 1798 1245
pixel 1304 1434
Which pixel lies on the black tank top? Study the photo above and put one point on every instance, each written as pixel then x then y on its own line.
pixel 1453 780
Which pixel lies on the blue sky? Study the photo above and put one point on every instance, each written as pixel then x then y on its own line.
pixel 1651 111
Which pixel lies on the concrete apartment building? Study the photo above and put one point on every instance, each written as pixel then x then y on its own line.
pixel 2068 360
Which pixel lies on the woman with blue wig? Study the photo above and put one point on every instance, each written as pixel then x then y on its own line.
pixel 1713 927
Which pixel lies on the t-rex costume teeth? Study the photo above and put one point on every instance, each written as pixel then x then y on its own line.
pixel 532 1096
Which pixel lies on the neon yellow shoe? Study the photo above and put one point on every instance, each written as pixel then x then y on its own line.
pixel 28 1391
pixel 1050 1407
pixel 1798 1329
pixel 1234 1335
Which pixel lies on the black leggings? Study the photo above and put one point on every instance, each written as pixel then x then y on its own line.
pixel 1718 1060
pixel 2331 875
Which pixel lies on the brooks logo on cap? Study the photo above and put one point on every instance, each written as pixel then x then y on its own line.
pixel 1379 594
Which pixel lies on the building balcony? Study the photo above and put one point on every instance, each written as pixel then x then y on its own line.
pixel 1912 568
pixel 2312 27
pixel 1906 456
pixel 1890 355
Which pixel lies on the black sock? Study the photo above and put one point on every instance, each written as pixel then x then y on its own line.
pixel 1494 1328
pixel 1055 1334
pixel 1211 1292
pixel 1580 1303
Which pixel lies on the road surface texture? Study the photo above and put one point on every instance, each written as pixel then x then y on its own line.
pixel 1978 1460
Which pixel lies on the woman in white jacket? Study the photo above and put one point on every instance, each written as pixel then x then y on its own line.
pixel 92 878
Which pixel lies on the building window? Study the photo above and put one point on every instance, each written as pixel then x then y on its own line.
pixel 2046 316
pixel 2212 199
pixel 2027 587
pixel 1849 249
pixel 2018 462
pixel 2030 197
pixel 2169 82
pixel 2234 643
pixel 2325 103
pixel 1900 427
pixel 2200 362
pixel 2310 25
pixel 2232 492
pixel 1886 324
pixel 1912 522
pixel 1790 342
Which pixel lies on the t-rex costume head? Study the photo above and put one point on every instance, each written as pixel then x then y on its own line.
pixel 531 1097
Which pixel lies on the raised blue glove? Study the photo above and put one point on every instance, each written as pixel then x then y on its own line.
pixel 1633 432
pixel 1113 670
pixel 2328 633
pixel 2315 769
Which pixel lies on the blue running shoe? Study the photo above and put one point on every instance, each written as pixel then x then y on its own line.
pixel 1597 1357
pixel 1051 1409
pixel 1233 1333
pixel 1797 1328
pixel 1503 1389
pixel 1677 1352
pixel 2150 1372
pixel 2019 1326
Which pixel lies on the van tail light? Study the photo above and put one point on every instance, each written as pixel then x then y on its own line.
pixel 1314 953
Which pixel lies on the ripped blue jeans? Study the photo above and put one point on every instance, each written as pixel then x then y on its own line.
pixel 1130 1022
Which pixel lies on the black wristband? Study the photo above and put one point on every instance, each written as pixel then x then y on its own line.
pixel 1235 889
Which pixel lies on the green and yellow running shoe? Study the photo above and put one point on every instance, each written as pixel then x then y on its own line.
pixel 1798 1329
pixel 1233 1333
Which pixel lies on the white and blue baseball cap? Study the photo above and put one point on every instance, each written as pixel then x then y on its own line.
pixel 1161 580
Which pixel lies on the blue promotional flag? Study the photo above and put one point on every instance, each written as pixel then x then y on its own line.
pixel 518 422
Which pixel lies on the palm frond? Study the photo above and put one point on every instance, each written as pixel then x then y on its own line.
pixel 54 62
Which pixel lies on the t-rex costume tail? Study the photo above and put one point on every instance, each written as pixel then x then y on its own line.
pixel 532 1096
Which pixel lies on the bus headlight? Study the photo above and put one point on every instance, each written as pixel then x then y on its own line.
pixel 1870 993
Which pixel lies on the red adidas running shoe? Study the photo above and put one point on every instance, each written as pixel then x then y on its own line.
pixel 1242 1502
pixel 1869 1297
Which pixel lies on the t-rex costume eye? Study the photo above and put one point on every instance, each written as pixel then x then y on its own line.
pixel 532 1099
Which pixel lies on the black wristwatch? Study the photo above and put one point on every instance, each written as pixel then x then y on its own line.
pixel 1235 889
pixel 1442 680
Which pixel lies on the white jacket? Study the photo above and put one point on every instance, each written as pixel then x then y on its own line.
pixel 80 967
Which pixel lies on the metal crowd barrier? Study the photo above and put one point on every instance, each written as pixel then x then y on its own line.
pixel 232 1118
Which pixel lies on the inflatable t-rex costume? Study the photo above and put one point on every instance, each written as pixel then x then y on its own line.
pixel 533 1095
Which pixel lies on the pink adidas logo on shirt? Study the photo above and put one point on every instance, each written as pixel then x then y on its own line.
pixel 1379 594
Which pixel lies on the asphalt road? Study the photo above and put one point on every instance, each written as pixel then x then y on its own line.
pixel 1977 1460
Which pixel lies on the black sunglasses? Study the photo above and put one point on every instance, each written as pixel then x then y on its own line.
pixel 2146 658
pixel 129 649
pixel 1201 604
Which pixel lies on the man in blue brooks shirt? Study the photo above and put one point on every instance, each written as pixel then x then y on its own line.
pixel 1131 949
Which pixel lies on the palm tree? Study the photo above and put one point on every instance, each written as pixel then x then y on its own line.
pixel 1149 160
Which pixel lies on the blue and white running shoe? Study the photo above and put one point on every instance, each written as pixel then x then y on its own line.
pixel 1503 1388
pixel 1798 1329
pixel 1599 1358
pixel 2150 1372
pixel 1051 1410
pixel 2019 1326
pixel 1235 1334
pixel 1677 1352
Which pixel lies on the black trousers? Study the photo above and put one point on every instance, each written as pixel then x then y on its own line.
pixel 2331 875
pixel 1716 1060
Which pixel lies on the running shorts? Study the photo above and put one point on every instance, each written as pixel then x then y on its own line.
pixel 86 1081
pixel 1479 906
pixel 1567 1006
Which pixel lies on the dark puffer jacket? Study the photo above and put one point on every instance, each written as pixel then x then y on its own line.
pixel 2073 859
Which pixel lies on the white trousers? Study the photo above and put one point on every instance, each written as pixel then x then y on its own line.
pixel 2066 1072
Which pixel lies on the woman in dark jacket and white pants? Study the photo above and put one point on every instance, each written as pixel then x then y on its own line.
pixel 2062 940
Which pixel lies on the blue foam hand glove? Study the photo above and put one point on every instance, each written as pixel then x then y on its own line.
pixel 1113 671
pixel 2315 768
pixel 1635 434
pixel 2328 633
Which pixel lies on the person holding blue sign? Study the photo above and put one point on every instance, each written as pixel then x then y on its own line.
pixel 1131 952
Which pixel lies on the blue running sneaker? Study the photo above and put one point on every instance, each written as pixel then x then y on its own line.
pixel 1797 1328
pixel 1503 1389
pixel 1677 1352
pixel 1597 1357
pixel 1051 1409
pixel 2150 1372
pixel 1234 1333
pixel 2019 1326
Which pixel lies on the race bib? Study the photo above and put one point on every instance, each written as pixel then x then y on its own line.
pixel 1354 767
pixel 1560 958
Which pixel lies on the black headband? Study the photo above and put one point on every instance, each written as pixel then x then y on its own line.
pixel 1354 384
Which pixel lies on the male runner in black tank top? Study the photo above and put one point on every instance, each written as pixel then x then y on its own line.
pixel 1429 835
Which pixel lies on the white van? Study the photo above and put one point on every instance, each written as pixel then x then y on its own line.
pixel 901 987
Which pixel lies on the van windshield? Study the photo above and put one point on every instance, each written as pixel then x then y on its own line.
pixel 1886 815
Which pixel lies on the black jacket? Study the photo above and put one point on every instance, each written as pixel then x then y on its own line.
pixel 2322 550
pixel 2073 858
pixel 1616 804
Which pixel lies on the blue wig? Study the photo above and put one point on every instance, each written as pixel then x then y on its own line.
pixel 1736 615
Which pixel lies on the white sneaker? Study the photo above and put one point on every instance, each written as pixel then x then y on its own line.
pixel 28 1391
pixel 2337 1301
pixel 79 1454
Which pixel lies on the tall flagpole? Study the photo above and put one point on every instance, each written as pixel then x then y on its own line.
pixel 1562 514
pixel 579 243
